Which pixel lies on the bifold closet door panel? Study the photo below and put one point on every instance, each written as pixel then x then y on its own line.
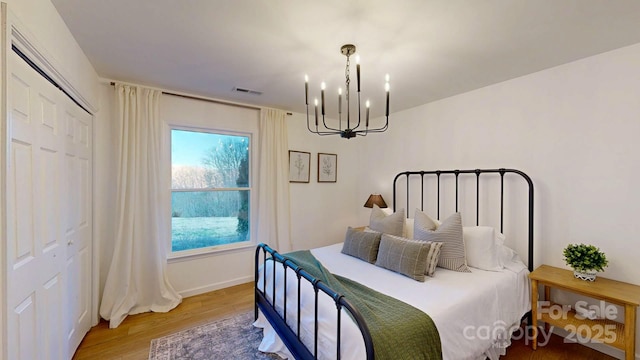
pixel 48 217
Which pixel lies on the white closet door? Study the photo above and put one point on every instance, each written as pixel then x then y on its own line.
pixel 76 206
pixel 48 218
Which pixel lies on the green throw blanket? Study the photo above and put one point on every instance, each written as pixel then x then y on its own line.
pixel 394 336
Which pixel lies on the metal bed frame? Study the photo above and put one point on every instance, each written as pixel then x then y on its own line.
pixel 291 337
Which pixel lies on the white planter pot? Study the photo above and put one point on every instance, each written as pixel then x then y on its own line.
pixel 589 275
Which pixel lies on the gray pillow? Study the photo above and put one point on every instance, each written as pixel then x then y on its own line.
pixel 452 254
pixel 387 224
pixel 422 223
pixel 362 244
pixel 405 256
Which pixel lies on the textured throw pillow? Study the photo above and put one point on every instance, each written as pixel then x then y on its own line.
pixel 481 248
pixel 387 224
pixel 405 256
pixel 433 257
pixel 362 244
pixel 407 231
pixel 452 254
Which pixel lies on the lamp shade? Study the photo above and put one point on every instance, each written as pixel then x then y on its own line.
pixel 375 199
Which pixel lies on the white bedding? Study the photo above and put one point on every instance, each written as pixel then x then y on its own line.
pixel 472 311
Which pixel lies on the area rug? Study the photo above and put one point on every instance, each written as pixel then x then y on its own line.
pixel 232 338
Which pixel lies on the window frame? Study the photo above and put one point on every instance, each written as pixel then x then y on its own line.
pixel 203 251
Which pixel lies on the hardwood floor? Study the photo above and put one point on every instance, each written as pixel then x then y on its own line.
pixel 130 341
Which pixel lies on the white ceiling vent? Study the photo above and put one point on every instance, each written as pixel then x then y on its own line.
pixel 247 91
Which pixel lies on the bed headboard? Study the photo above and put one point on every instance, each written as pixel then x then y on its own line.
pixel 437 176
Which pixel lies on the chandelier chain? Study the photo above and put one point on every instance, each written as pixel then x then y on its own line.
pixel 347 81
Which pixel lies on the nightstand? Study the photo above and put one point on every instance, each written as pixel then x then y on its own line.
pixel 619 335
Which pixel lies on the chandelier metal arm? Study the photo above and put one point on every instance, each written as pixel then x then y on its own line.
pixel 377 130
pixel 346 132
pixel 328 127
pixel 317 131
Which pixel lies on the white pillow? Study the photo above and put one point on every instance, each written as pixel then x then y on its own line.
pixel 387 210
pixel 508 258
pixel 481 248
pixel 408 228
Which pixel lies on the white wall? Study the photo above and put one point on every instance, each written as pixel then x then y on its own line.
pixel 573 128
pixel 321 212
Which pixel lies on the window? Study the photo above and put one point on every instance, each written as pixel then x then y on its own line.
pixel 210 189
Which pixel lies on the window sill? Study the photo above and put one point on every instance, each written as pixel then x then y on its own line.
pixel 208 252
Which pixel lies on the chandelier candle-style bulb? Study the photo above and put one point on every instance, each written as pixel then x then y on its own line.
pixel 316 101
pixel 339 100
pixel 358 70
pixel 367 117
pixel 386 88
pixel 322 96
pixel 306 90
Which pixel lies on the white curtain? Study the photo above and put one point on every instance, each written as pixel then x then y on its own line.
pixel 273 181
pixel 137 280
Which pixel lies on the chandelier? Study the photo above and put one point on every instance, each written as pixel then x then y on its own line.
pixel 348 132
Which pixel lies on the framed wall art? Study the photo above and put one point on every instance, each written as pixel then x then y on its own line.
pixel 299 166
pixel 327 167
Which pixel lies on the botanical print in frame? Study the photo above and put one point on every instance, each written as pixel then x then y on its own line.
pixel 327 167
pixel 299 166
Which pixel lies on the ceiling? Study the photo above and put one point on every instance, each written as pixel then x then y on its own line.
pixel 432 49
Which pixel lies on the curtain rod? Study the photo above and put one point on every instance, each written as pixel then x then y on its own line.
pixel 113 83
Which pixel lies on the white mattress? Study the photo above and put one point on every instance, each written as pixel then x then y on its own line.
pixel 472 311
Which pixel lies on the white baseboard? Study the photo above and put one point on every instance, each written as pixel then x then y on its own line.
pixel 217 286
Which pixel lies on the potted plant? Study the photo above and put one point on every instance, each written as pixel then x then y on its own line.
pixel 586 260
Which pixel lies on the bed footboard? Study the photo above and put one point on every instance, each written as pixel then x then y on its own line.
pixel 291 337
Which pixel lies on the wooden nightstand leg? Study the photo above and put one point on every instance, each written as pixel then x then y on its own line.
pixel 630 332
pixel 547 297
pixel 534 314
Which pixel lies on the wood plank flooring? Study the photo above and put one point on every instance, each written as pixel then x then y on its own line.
pixel 131 340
